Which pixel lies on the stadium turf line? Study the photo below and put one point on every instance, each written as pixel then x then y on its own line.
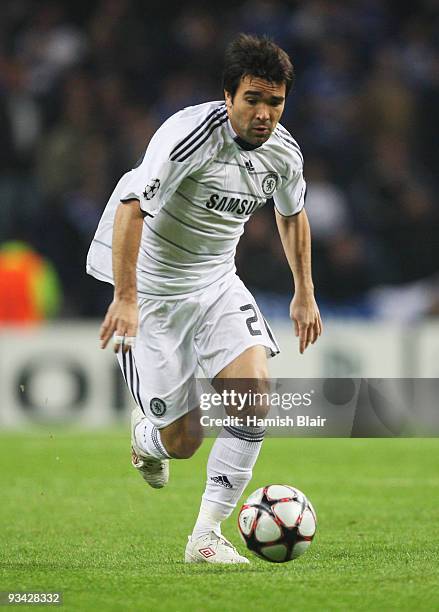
pixel 76 517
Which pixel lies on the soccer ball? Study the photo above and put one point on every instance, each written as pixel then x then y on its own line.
pixel 277 523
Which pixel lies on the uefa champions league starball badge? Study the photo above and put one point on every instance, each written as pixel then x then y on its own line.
pixel 151 189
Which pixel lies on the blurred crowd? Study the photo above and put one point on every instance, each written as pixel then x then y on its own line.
pixel 83 86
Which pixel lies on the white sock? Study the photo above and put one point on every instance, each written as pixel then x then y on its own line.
pixel 149 441
pixel 229 470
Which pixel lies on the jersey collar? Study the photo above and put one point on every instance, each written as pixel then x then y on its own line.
pixel 242 144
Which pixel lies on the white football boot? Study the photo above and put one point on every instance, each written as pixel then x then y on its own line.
pixel 212 549
pixel 154 471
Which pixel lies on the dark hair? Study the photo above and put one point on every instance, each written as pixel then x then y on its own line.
pixel 256 56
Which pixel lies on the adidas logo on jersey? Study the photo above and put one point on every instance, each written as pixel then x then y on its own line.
pixel 249 166
pixel 223 481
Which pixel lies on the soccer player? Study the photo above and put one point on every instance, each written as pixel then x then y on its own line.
pixel 167 241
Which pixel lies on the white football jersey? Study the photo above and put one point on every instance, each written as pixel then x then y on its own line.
pixel 198 184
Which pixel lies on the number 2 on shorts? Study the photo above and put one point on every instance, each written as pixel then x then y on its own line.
pixel 254 331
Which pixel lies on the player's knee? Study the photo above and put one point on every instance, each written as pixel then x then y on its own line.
pixel 261 375
pixel 261 393
pixel 259 405
pixel 264 407
pixel 257 394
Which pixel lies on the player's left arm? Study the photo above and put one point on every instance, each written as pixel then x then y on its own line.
pixel 296 240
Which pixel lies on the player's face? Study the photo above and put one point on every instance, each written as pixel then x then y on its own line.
pixel 256 108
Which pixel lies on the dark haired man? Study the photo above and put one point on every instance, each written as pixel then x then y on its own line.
pixel 167 241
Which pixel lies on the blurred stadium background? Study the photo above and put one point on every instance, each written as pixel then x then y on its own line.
pixel 83 86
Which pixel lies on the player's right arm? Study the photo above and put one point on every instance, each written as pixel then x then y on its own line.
pixel 122 315
pixel 173 153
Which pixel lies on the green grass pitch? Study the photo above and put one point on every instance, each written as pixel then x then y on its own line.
pixel 76 517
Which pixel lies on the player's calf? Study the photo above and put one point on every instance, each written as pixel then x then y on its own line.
pixel 183 437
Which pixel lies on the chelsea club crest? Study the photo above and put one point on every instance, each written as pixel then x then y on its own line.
pixel 157 406
pixel 269 183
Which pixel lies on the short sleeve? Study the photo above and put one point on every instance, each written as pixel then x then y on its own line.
pixel 290 199
pixel 157 177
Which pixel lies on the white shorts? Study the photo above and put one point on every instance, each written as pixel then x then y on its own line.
pixel 176 338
